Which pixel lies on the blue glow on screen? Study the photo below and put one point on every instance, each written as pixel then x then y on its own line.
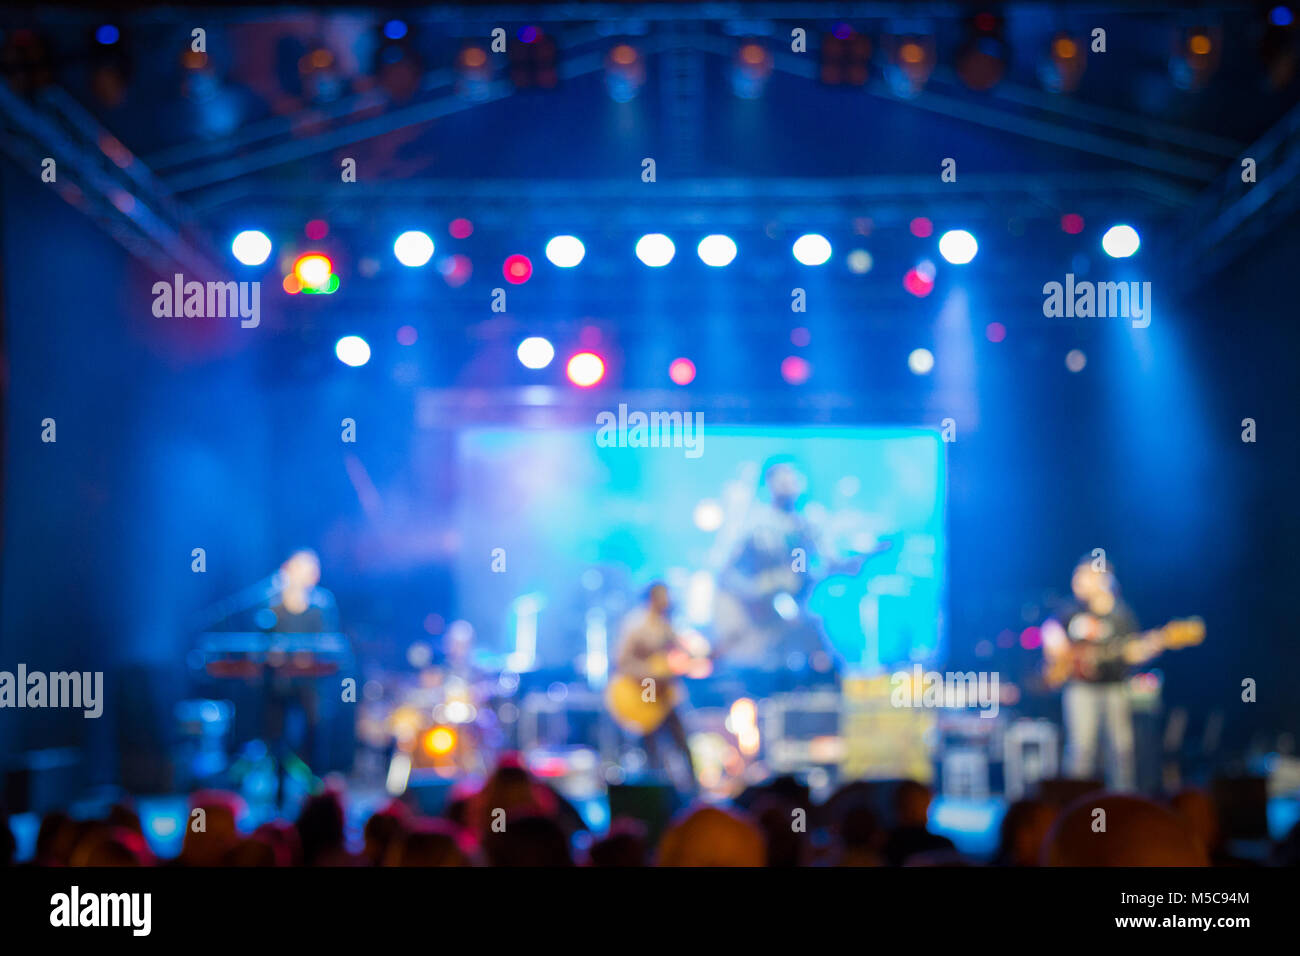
pixel 561 505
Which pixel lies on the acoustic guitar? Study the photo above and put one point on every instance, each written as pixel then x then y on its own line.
pixel 641 709
pixel 1081 659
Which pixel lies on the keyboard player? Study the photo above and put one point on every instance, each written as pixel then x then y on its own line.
pixel 300 606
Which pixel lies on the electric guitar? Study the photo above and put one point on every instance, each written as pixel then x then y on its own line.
pixel 1082 659
pixel 752 612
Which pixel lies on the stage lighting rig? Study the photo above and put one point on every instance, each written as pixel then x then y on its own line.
pixel 983 56
pixel 624 72
pixel 110 65
pixel 473 73
pixel 533 60
pixel 1277 46
pixel 909 61
pixel 1195 56
pixel 398 68
pixel 845 57
pixel 318 71
pixel 750 70
pixel 25 61
pixel 1067 58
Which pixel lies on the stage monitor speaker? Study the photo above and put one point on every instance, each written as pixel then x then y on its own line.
pixel 652 804
pixel 1060 791
pixel 146 698
pixel 428 792
pixel 1243 807
pixel 42 780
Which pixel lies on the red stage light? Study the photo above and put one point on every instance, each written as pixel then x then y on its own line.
pixel 921 227
pixel 317 230
pixel 585 369
pixel 682 371
pixel 917 284
pixel 1072 223
pixel 518 269
pixel 461 228
pixel 995 332
pixel 456 270
pixel 795 370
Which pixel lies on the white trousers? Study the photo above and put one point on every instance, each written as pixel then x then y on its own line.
pixel 1094 711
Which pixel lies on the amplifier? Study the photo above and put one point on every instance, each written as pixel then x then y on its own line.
pixel 801 730
pixel 881 741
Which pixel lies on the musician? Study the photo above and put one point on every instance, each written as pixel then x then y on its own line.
pixel 1096 630
pixel 761 614
pixel 300 606
pixel 647 634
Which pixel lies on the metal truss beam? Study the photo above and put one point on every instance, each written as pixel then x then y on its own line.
pixel 99 176
pixel 1019 111
pixel 1078 112
pixel 491 12
pixel 735 203
pixel 1232 214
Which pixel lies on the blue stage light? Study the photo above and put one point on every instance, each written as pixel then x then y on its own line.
pixel 107 35
pixel 655 250
pixel 252 247
pixel 1121 241
pixel 717 251
pixel 352 350
pixel 394 29
pixel 812 249
pixel 413 248
pixel 958 246
pixel 565 251
pixel 535 352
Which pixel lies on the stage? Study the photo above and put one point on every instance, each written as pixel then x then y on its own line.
pixel 648 434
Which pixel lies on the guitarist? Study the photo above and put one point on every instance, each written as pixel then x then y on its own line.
pixel 760 609
pixel 646 638
pixel 1095 640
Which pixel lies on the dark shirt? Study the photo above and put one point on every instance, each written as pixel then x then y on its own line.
pixel 319 617
pixel 1106 634
pixel 908 841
